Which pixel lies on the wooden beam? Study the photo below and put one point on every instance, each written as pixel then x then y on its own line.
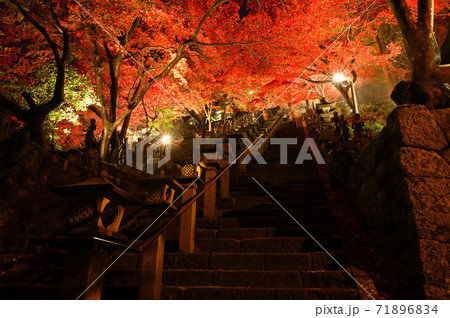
pixel 152 259
pixel 187 223
pixel 85 264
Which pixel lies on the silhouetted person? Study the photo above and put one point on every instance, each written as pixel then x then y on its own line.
pixel 358 125
pixel 335 119
pixel 344 128
pixel 89 138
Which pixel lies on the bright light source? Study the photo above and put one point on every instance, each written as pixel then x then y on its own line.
pixel 251 92
pixel 166 139
pixel 338 77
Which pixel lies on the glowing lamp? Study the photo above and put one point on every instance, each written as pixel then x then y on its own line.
pixel 165 139
pixel 338 77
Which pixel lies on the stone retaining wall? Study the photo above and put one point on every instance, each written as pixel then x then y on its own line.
pixel 401 184
pixel 28 206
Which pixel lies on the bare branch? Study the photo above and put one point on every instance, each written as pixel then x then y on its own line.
pixel 206 16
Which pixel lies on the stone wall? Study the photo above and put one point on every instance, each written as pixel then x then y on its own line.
pixel 401 184
pixel 28 206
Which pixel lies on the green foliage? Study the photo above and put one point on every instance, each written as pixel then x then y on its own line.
pixel 375 115
pixel 165 120
pixel 78 94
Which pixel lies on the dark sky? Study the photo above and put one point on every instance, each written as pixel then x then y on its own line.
pixel 243 11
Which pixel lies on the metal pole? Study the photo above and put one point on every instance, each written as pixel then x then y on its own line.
pixel 355 101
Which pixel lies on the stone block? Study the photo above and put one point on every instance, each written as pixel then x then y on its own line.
pixel 373 152
pixel 186 261
pixel 419 186
pixel 415 126
pixel 432 225
pixel 266 279
pixel 431 203
pixel 298 262
pixel 422 163
pixel 226 261
pixel 435 267
pixel 445 154
pixel 188 278
pixel 442 118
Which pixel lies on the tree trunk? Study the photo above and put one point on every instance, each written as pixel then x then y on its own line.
pixel 209 121
pixel 224 119
pixel 426 87
pixel 344 90
pixel 36 127
pixel 386 72
pixel 105 143
pixel 201 124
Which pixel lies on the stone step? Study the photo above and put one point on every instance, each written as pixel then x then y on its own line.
pixel 274 160
pixel 266 202
pixel 277 211
pixel 314 261
pixel 263 222
pixel 239 233
pixel 210 293
pixel 268 279
pixel 272 184
pixel 281 168
pixel 248 184
pixel 268 180
pixel 287 191
pixel 267 245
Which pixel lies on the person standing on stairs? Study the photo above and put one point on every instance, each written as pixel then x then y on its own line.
pixel 296 113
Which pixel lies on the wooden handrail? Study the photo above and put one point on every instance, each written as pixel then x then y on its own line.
pixel 199 194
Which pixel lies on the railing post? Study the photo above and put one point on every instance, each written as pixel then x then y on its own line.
pixel 85 265
pixel 187 223
pixel 152 259
pixel 209 205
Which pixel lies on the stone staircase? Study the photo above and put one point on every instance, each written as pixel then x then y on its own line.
pixel 255 250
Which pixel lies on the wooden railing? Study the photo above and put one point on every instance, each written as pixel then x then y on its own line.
pixel 151 250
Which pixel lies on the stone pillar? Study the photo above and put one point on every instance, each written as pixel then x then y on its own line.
pixel 187 223
pixel 152 259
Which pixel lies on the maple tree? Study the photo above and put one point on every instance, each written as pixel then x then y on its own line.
pixel 149 60
pixel 18 39
pixel 139 57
